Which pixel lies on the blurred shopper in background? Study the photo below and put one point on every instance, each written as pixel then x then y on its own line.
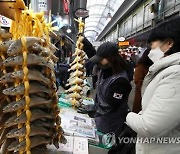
pixel 131 66
pixel 141 71
pixel 160 116
pixel 95 75
pixel 89 68
pixel 62 74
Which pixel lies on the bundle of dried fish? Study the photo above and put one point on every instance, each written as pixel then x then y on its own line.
pixel 76 80
pixel 29 116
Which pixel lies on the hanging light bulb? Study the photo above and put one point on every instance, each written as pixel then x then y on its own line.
pixel 68 30
pixel 69 22
pixel 109 15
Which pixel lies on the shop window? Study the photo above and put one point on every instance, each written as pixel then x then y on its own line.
pixel 146 13
pixel 112 36
pixel 168 4
pixel 121 30
pixel 134 21
pixel 126 27
pixel 160 9
pixel 140 18
pixel 115 35
pixel 129 25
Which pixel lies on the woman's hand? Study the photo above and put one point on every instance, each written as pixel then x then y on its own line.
pixel 82 109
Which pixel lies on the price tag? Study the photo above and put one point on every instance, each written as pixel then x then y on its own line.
pixel 80 145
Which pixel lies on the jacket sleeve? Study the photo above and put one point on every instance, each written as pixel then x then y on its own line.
pixel 140 72
pixel 162 113
pixel 118 92
pixel 88 48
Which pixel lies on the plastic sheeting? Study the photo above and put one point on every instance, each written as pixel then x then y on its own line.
pixel 98 16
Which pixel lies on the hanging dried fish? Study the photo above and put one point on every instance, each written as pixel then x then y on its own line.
pixel 29 115
pixel 76 80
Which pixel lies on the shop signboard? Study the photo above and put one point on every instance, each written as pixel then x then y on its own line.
pixel 66 6
pixel 82 13
pixel 124 43
pixel 4 21
pixel 42 5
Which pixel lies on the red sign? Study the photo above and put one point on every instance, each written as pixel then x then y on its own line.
pixel 66 6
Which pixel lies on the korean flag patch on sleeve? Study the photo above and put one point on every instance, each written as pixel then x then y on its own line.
pixel 118 96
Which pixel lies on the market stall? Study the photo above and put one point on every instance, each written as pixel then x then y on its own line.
pixel 30 105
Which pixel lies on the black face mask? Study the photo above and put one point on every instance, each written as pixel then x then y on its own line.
pixel 104 67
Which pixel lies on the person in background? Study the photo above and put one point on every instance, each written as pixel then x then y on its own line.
pixel 141 71
pixel 62 74
pixel 134 55
pixel 112 92
pixel 159 119
pixel 89 67
pixel 95 75
pixel 130 65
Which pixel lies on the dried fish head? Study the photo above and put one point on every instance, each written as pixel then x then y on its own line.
pixel 11 61
pixel 14 90
pixel 6 78
pixel 5 45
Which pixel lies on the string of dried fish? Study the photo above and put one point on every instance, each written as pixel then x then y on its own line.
pixel 76 79
pixel 32 91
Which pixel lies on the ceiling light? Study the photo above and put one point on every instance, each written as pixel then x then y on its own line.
pixel 68 30
pixel 121 39
pixel 109 15
pixel 65 21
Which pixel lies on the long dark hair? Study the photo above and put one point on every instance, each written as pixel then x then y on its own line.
pixel 117 63
pixel 145 60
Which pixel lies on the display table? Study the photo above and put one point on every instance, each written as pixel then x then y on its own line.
pixel 92 150
pixel 80 125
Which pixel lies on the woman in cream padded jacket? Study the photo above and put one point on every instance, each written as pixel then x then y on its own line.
pixel 160 115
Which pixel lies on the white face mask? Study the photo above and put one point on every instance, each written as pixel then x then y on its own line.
pixel 156 54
